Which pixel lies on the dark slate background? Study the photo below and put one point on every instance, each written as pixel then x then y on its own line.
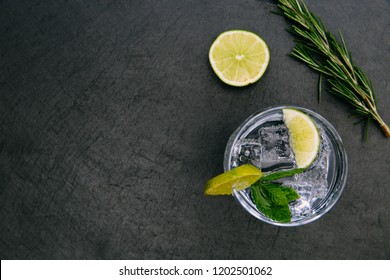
pixel 112 120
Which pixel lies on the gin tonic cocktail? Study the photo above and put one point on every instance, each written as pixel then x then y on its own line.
pixel 263 140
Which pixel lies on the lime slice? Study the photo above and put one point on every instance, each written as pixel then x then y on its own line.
pixel 239 178
pixel 239 57
pixel 304 136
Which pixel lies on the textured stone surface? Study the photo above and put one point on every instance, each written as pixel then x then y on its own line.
pixel 112 120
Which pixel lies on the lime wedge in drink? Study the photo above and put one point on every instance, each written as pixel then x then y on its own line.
pixel 239 178
pixel 239 57
pixel 304 136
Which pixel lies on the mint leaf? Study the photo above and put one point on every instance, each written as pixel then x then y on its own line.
pixel 290 193
pixel 272 200
pixel 281 174
pixel 280 213
pixel 260 198
pixel 275 194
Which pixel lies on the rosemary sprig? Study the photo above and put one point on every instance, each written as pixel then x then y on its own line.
pixel 320 50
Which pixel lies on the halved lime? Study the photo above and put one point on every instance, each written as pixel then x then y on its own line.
pixel 239 57
pixel 304 136
pixel 239 178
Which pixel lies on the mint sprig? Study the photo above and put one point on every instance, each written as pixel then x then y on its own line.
pixel 272 199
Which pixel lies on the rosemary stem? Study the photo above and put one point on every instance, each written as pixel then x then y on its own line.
pixel 374 113
pixel 385 129
pixel 382 124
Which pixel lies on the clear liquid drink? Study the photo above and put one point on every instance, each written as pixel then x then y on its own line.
pixel 263 141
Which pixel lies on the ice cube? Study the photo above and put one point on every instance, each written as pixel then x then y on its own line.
pixel 275 147
pixel 300 207
pixel 246 151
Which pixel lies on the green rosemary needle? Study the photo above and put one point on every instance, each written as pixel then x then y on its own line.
pixel 320 50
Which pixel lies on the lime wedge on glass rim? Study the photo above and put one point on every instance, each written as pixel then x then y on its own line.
pixel 304 136
pixel 238 178
pixel 239 57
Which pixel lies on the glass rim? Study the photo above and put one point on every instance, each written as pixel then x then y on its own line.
pixel 335 189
